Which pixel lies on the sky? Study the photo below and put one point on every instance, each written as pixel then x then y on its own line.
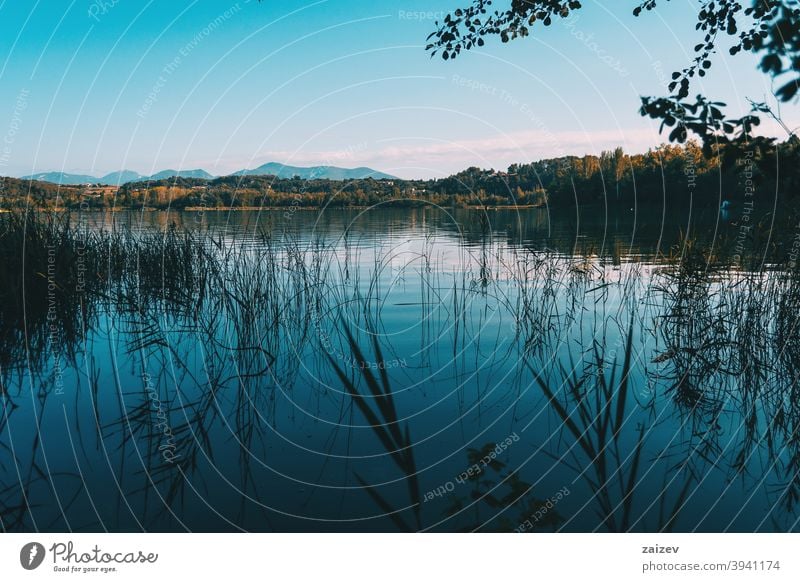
pixel 94 86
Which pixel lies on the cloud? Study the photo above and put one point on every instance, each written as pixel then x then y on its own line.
pixel 422 157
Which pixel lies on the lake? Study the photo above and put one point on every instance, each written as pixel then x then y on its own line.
pixel 397 369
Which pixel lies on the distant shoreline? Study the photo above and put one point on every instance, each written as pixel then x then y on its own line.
pixel 277 208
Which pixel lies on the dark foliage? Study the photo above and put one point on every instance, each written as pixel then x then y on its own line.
pixel 668 174
pixel 767 28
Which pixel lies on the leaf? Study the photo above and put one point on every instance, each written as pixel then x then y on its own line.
pixel 788 91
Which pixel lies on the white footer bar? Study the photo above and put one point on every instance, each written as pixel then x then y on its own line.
pixel 401 557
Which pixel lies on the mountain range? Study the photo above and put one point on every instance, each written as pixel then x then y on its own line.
pixel 268 169
pixel 314 172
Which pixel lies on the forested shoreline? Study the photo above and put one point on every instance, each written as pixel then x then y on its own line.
pixel 668 173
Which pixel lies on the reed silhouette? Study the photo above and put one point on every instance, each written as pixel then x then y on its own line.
pixel 170 379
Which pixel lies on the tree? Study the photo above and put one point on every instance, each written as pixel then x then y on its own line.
pixel 767 28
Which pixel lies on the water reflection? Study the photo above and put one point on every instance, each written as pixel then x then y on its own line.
pixel 393 370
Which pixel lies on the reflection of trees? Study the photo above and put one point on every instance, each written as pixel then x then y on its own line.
pixel 229 334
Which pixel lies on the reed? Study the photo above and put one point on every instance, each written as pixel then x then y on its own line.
pixel 230 328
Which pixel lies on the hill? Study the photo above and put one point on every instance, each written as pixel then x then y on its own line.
pixel 314 172
pixel 120 177
pixel 62 178
pixel 270 169
pixel 164 174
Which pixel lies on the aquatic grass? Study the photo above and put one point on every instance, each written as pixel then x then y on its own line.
pixel 231 324
pixel 384 423
pixel 593 405
pixel 46 266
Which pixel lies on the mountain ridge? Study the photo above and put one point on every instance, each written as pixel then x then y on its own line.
pixel 269 169
pixel 314 172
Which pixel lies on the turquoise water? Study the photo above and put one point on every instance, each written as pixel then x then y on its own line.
pixel 217 404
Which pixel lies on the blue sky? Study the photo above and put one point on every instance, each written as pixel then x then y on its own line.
pixel 96 86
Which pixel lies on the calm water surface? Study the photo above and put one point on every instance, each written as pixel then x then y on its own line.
pixel 547 370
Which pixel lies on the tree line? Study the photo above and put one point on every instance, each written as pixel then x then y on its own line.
pixel 668 174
